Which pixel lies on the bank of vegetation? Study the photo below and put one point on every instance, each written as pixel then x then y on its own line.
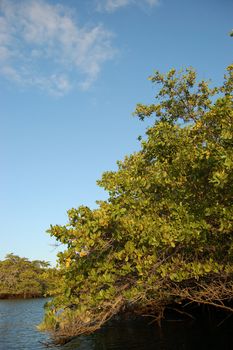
pixel 22 278
pixel 165 233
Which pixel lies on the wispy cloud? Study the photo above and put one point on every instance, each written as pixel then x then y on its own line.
pixel 113 5
pixel 42 45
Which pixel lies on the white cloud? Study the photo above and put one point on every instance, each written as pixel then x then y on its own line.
pixel 113 5
pixel 42 45
pixel 10 73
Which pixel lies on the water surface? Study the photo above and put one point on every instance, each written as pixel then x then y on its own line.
pixel 18 320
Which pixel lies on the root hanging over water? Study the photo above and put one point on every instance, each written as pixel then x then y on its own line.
pixel 67 331
pixel 216 292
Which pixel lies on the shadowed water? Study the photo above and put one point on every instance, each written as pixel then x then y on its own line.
pixel 18 320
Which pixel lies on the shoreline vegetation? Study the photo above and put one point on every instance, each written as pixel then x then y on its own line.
pixel 19 296
pixel 21 278
pixel 164 236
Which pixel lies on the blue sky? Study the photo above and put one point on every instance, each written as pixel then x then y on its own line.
pixel 71 73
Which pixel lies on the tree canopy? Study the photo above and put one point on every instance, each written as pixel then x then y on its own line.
pixel 20 277
pixel 165 232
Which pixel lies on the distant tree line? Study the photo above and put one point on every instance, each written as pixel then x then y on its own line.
pixel 22 278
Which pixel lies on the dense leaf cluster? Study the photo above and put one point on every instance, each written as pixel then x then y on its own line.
pixel 165 232
pixel 21 278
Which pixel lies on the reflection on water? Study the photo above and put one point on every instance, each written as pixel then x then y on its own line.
pixel 18 320
pixel 175 335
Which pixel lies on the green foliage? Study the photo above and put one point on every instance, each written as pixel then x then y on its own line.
pixel 167 223
pixel 20 277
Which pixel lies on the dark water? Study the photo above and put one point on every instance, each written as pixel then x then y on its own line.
pixel 18 320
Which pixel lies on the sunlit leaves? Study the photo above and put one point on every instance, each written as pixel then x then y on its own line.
pixel 168 217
